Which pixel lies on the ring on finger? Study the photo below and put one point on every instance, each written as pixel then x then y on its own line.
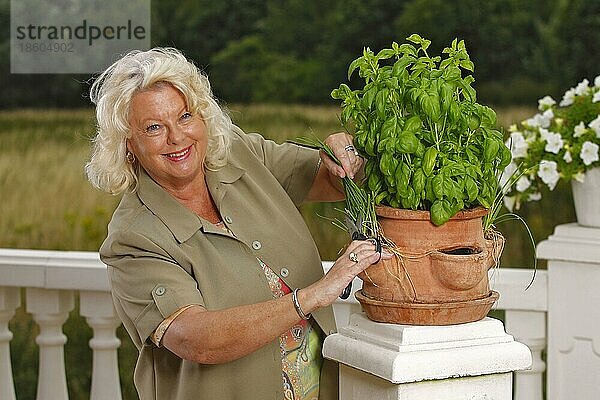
pixel 351 149
pixel 353 257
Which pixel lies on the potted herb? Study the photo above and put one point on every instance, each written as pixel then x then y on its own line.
pixel 428 144
pixel 561 142
pixel 432 155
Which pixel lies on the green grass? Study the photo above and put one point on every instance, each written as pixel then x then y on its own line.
pixel 48 204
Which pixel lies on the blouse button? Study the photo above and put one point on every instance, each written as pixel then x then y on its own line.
pixel 159 291
pixel 228 219
pixel 256 245
pixel 284 272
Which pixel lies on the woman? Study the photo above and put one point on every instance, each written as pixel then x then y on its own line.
pixel 212 269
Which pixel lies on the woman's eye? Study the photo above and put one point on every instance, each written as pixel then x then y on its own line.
pixel 152 128
pixel 186 115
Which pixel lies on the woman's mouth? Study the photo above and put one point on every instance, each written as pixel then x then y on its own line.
pixel 179 155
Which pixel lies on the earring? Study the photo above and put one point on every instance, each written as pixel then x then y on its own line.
pixel 130 157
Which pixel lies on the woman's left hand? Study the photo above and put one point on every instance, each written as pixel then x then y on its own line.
pixel 341 145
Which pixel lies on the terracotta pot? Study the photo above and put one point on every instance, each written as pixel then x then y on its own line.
pixel 440 276
pixel 449 313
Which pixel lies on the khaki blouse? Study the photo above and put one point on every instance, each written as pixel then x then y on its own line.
pixel 161 256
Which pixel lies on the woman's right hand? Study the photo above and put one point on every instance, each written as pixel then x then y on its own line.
pixel 325 291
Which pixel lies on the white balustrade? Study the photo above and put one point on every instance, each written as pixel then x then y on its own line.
pixel 9 301
pixel 100 315
pixel 573 254
pixel 53 278
pixel 50 309
pixel 525 319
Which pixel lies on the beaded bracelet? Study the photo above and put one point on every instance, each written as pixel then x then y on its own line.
pixel 297 305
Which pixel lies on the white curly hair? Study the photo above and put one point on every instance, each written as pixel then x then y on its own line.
pixel 112 92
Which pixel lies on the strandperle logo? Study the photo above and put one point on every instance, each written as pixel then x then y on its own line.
pixel 83 31
pixel 75 36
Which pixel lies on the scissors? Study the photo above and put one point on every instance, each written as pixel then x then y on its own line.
pixel 356 233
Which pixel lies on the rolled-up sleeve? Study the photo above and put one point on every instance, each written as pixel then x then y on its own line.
pixel 146 283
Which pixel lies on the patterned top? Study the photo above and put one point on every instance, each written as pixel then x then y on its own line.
pixel 300 346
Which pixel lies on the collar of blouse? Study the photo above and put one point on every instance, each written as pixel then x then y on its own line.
pixel 179 219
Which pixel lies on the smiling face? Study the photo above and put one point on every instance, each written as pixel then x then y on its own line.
pixel 168 140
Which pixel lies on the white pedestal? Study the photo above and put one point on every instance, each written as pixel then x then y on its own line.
pixel 402 362
pixel 573 254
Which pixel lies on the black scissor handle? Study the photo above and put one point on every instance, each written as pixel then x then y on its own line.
pixel 359 236
pixel 346 293
pixel 375 241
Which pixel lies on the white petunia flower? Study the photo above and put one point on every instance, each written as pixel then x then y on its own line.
pixel 568 98
pixel 546 118
pixel 579 177
pixel 534 121
pixel 549 173
pixel 535 196
pixel 597 81
pixel 545 102
pixel 522 184
pixel 579 129
pixel 567 157
pixel 582 87
pixel 595 125
pixel 509 202
pixel 589 153
pixel 517 145
pixel 506 175
pixel 596 97
pixel 545 134
pixel 554 143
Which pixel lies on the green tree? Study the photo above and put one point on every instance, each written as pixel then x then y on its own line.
pixel 522 50
pixel 297 50
pixel 204 27
pixel 309 46
pixel 569 42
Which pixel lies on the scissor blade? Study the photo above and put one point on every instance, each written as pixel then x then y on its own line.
pixel 354 228
pixel 351 226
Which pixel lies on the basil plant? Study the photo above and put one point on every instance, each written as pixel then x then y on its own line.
pixel 428 144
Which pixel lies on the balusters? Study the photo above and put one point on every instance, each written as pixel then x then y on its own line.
pixel 529 327
pixel 83 272
pixel 9 301
pixel 98 309
pixel 50 310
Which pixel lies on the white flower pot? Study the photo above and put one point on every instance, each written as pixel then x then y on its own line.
pixel 586 197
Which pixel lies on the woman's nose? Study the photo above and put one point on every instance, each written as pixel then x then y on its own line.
pixel 175 134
